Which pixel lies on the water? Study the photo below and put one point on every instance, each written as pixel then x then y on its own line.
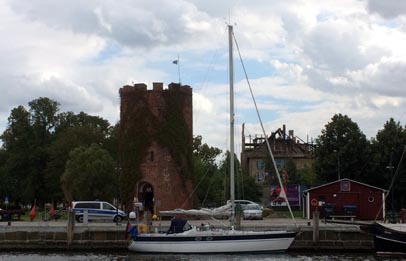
pixel 295 256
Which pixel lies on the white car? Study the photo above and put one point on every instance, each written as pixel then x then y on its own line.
pixel 241 203
pixel 252 211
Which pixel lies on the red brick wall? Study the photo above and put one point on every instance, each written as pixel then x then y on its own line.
pixel 170 188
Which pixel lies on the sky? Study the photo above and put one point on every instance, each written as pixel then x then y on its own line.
pixel 306 60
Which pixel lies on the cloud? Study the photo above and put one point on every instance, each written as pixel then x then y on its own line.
pixel 386 77
pixel 308 59
pixel 387 8
pixel 136 24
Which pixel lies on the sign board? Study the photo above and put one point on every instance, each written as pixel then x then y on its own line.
pixel 278 198
pixel 314 202
pixel 6 200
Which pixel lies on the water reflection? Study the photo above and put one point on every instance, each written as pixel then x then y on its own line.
pixel 295 256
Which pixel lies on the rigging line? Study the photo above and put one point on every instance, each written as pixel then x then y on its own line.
pixel 207 192
pixel 211 65
pixel 203 85
pixel 392 182
pixel 263 130
pixel 191 194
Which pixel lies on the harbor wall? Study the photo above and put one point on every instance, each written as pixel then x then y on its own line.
pixel 114 237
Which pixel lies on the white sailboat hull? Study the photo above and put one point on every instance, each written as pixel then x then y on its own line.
pixel 211 242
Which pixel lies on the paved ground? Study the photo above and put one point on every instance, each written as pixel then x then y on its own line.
pixel 267 222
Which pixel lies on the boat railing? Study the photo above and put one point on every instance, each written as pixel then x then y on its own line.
pixel 392 217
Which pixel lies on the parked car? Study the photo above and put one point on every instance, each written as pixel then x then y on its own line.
pixel 241 203
pixel 97 210
pixel 252 211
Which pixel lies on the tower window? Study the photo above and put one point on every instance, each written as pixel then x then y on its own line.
pixel 151 156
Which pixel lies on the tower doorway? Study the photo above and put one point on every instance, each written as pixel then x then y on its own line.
pixel 146 196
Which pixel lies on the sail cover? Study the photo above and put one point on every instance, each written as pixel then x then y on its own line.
pixel 212 212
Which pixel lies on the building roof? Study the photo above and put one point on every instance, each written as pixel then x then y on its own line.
pixel 327 184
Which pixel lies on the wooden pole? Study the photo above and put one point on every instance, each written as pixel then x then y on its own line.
pixel 70 229
pixel 316 216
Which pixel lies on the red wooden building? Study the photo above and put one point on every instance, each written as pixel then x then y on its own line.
pixel 345 198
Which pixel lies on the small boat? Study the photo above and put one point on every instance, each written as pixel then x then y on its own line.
pixel 183 238
pixel 389 239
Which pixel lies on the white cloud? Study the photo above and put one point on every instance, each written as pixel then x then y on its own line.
pixel 386 77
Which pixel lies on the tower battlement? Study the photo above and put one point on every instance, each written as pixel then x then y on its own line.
pixel 156 87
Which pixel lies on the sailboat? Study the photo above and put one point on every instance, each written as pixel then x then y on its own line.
pixel 183 238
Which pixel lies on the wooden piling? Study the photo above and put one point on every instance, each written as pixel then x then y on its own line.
pixel 70 228
pixel 316 220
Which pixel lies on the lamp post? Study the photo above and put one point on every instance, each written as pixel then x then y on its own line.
pixel 118 190
pixel 391 167
pixel 338 164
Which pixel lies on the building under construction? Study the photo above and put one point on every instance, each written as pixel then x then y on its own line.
pixel 285 146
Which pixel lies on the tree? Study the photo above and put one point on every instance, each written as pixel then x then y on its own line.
pixel 246 188
pixel 111 141
pixel 206 179
pixel 43 117
pixel 90 174
pixel 291 170
pixel 203 151
pixel 388 147
pixel 342 150
pixel 17 156
pixel 307 176
pixel 36 147
pixel 71 131
pixel 43 114
pixel 7 188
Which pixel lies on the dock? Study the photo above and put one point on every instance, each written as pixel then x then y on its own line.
pixel 45 235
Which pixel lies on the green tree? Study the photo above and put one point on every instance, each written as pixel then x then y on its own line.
pixel 111 140
pixel 307 176
pixel 17 156
pixel 6 183
pixel 36 147
pixel 245 186
pixel 388 147
pixel 43 117
pixel 203 151
pixel 71 131
pixel 90 174
pixel 206 179
pixel 291 170
pixel 341 150
pixel 43 113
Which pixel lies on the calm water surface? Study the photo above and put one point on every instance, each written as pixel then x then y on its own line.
pixel 45 256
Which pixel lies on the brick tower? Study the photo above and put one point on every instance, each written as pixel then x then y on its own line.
pixel 156 128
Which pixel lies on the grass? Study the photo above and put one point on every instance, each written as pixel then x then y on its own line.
pixel 271 213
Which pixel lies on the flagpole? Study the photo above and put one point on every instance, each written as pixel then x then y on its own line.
pixel 179 69
pixel 177 62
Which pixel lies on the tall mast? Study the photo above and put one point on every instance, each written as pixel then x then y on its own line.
pixel 231 76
